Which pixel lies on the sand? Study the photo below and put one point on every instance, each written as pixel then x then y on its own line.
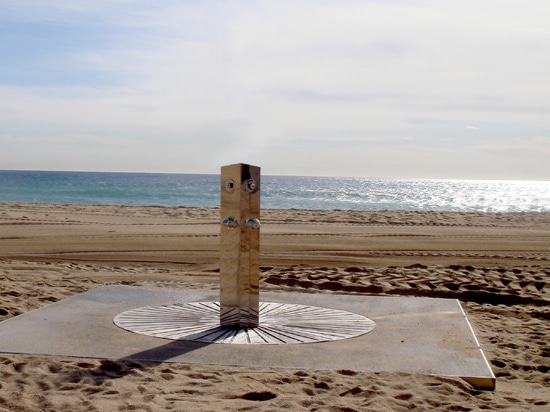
pixel 497 265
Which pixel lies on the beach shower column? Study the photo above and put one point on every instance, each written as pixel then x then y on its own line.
pixel 240 245
pixel 235 319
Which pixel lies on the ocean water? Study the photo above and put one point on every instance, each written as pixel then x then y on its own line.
pixel 277 192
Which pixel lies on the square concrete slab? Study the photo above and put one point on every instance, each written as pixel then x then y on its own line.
pixel 419 335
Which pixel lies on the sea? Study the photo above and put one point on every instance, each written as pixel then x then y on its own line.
pixel 277 192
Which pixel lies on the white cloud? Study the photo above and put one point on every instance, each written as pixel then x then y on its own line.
pixel 354 82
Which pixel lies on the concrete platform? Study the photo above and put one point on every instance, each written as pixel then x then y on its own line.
pixel 419 335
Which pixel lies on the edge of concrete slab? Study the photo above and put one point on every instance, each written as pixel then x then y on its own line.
pixel 423 335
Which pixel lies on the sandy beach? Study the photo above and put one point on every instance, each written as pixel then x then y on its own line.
pixel 496 264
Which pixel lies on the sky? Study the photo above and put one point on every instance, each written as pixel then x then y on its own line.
pixel 366 88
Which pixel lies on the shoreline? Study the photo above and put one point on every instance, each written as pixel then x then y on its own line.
pixel 497 264
pixel 39 203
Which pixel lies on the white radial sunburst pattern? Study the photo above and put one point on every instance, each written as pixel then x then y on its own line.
pixel 279 323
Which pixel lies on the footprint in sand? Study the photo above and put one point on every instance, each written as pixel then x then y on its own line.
pixel 258 396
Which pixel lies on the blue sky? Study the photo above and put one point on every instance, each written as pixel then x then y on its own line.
pixel 379 88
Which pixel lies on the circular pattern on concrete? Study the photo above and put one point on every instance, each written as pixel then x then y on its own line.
pixel 279 323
